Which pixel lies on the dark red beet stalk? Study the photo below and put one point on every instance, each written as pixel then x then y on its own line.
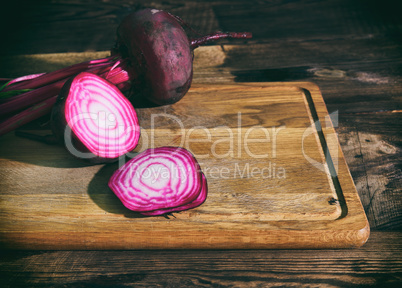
pixel 117 76
pixel 39 80
pixel 41 93
pixel 194 43
pixel 36 111
pixel 30 98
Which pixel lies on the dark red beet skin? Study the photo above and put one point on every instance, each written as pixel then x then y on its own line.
pixel 160 54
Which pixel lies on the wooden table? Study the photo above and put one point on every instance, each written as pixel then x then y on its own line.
pixel 350 49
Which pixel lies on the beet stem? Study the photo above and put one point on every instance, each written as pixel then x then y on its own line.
pixel 194 43
pixel 24 100
pixel 48 78
pixel 43 102
pixel 26 116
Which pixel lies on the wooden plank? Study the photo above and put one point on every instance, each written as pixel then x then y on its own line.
pixel 372 147
pixel 314 20
pixel 363 81
pixel 83 26
pixel 78 26
pixel 378 263
pixel 245 130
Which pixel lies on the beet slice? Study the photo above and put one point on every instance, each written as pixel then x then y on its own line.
pixel 102 122
pixel 160 180
pixel 193 204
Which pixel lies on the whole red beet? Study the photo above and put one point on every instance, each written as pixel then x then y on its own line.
pixel 160 53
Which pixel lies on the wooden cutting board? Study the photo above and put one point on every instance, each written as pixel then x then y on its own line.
pixel 276 174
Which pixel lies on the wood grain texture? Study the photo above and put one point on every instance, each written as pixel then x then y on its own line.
pixel 369 78
pixel 351 49
pixel 270 183
pixel 376 264
pixel 84 26
pixel 372 147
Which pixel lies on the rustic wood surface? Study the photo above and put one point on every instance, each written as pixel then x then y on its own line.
pixel 351 49
pixel 376 264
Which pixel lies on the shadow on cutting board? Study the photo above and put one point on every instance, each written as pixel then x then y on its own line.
pixel 37 153
pixel 103 196
pixel 56 156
